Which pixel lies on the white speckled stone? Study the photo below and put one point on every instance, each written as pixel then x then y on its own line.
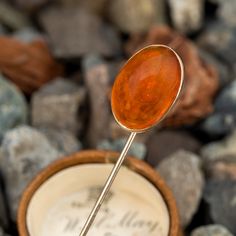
pixel 211 230
pixel 24 152
pixel 13 107
pixel 187 16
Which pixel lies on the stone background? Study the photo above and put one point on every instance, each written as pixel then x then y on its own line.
pixel 58 61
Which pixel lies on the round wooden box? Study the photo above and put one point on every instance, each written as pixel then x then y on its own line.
pixel 60 198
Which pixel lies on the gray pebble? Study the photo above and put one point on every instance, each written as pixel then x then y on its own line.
pixel 74 32
pixel 24 152
pixel 175 140
pixel 137 149
pixel 13 107
pixel 221 198
pixel 218 38
pixel 226 11
pixel 211 230
pixel 182 172
pixel 133 16
pixel 97 80
pixel 63 140
pixel 223 120
pixel 222 67
pixel 218 150
pixel 56 106
pixel 27 35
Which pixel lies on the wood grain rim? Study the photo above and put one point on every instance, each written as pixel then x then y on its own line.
pixel 94 156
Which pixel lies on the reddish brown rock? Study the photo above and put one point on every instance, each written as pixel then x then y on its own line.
pixel 201 79
pixel 29 66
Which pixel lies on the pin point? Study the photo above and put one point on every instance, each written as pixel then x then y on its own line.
pixel 143 93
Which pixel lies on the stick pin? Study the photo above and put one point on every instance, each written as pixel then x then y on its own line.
pixel 144 91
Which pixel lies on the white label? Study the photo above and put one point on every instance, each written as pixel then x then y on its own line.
pixel 122 214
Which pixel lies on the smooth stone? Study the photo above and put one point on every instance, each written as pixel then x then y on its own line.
pixel 211 230
pixel 96 76
pixel 74 32
pixel 222 169
pixel 174 140
pixel 182 173
pixel 226 11
pixel 219 150
pixel 133 16
pixel 63 99
pixel 219 39
pixel 223 68
pixel 137 149
pixel 13 106
pixel 27 35
pixel 11 17
pixel 28 65
pixel 64 141
pixel 223 120
pixel 220 158
pixel 24 152
pixel 227 98
pixel 218 124
pixel 221 198
pixel 187 16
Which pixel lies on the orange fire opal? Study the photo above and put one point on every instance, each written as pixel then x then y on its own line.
pixel 146 87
